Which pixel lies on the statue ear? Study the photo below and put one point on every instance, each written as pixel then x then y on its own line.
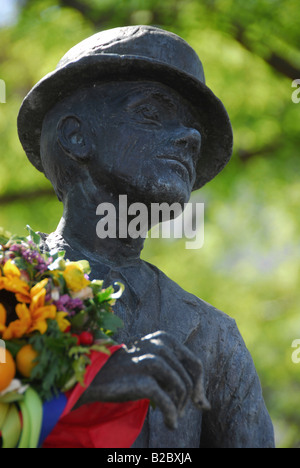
pixel 74 139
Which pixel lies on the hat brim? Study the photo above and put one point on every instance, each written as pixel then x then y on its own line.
pixel 217 138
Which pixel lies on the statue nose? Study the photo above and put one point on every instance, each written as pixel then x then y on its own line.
pixel 190 139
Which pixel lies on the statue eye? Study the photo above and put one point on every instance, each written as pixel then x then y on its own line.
pixel 149 112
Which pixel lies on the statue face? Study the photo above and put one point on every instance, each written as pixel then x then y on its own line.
pixel 147 144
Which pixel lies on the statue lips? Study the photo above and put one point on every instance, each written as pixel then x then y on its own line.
pixel 186 164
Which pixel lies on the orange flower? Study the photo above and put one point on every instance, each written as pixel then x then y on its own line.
pixel 19 327
pixel 30 318
pixel 11 281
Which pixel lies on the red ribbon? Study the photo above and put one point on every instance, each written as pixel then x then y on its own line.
pixel 97 425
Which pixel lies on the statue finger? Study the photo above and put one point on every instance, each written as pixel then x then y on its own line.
pixel 136 387
pixel 168 355
pixel 162 400
pixel 193 366
pixel 166 374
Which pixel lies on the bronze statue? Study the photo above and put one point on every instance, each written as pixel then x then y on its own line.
pixel 127 112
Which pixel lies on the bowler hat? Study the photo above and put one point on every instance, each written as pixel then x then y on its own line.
pixel 133 53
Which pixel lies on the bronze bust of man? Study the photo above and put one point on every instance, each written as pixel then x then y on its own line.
pixel 127 112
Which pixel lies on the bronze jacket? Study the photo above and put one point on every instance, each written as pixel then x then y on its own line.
pixel 238 417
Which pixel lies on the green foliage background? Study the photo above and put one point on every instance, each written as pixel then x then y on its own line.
pixel 249 265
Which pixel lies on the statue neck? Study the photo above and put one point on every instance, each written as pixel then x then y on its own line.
pixel 88 218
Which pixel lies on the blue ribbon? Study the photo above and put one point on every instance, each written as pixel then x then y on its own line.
pixel 52 411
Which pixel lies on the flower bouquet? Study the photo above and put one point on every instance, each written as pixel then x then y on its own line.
pixel 56 329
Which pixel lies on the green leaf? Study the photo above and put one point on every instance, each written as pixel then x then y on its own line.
pixel 85 266
pixel 76 350
pixel 78 320
pixel 21 263
pixel 4 236
pixel 14 346
pixel 79 366
pixel 101 349
pixel 112 322
pixel 104 295
pixel 97 285
pixel 34 236
pixel 100 335
pixel 54 366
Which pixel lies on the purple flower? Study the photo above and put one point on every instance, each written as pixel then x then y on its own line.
pixel 67 304
pixel 15 248
pixel 31 256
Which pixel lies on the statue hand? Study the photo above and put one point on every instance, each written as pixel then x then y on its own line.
pixel 158 368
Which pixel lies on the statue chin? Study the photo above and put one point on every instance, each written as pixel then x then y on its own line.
pixel 170 195
pixel 164 190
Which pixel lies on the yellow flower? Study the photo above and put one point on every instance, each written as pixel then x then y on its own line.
pixel 29 319
pixel 11 270
pixel 63 323
pixel 74 277
pixel 38 310
pixel 11 281
pixel 19 327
